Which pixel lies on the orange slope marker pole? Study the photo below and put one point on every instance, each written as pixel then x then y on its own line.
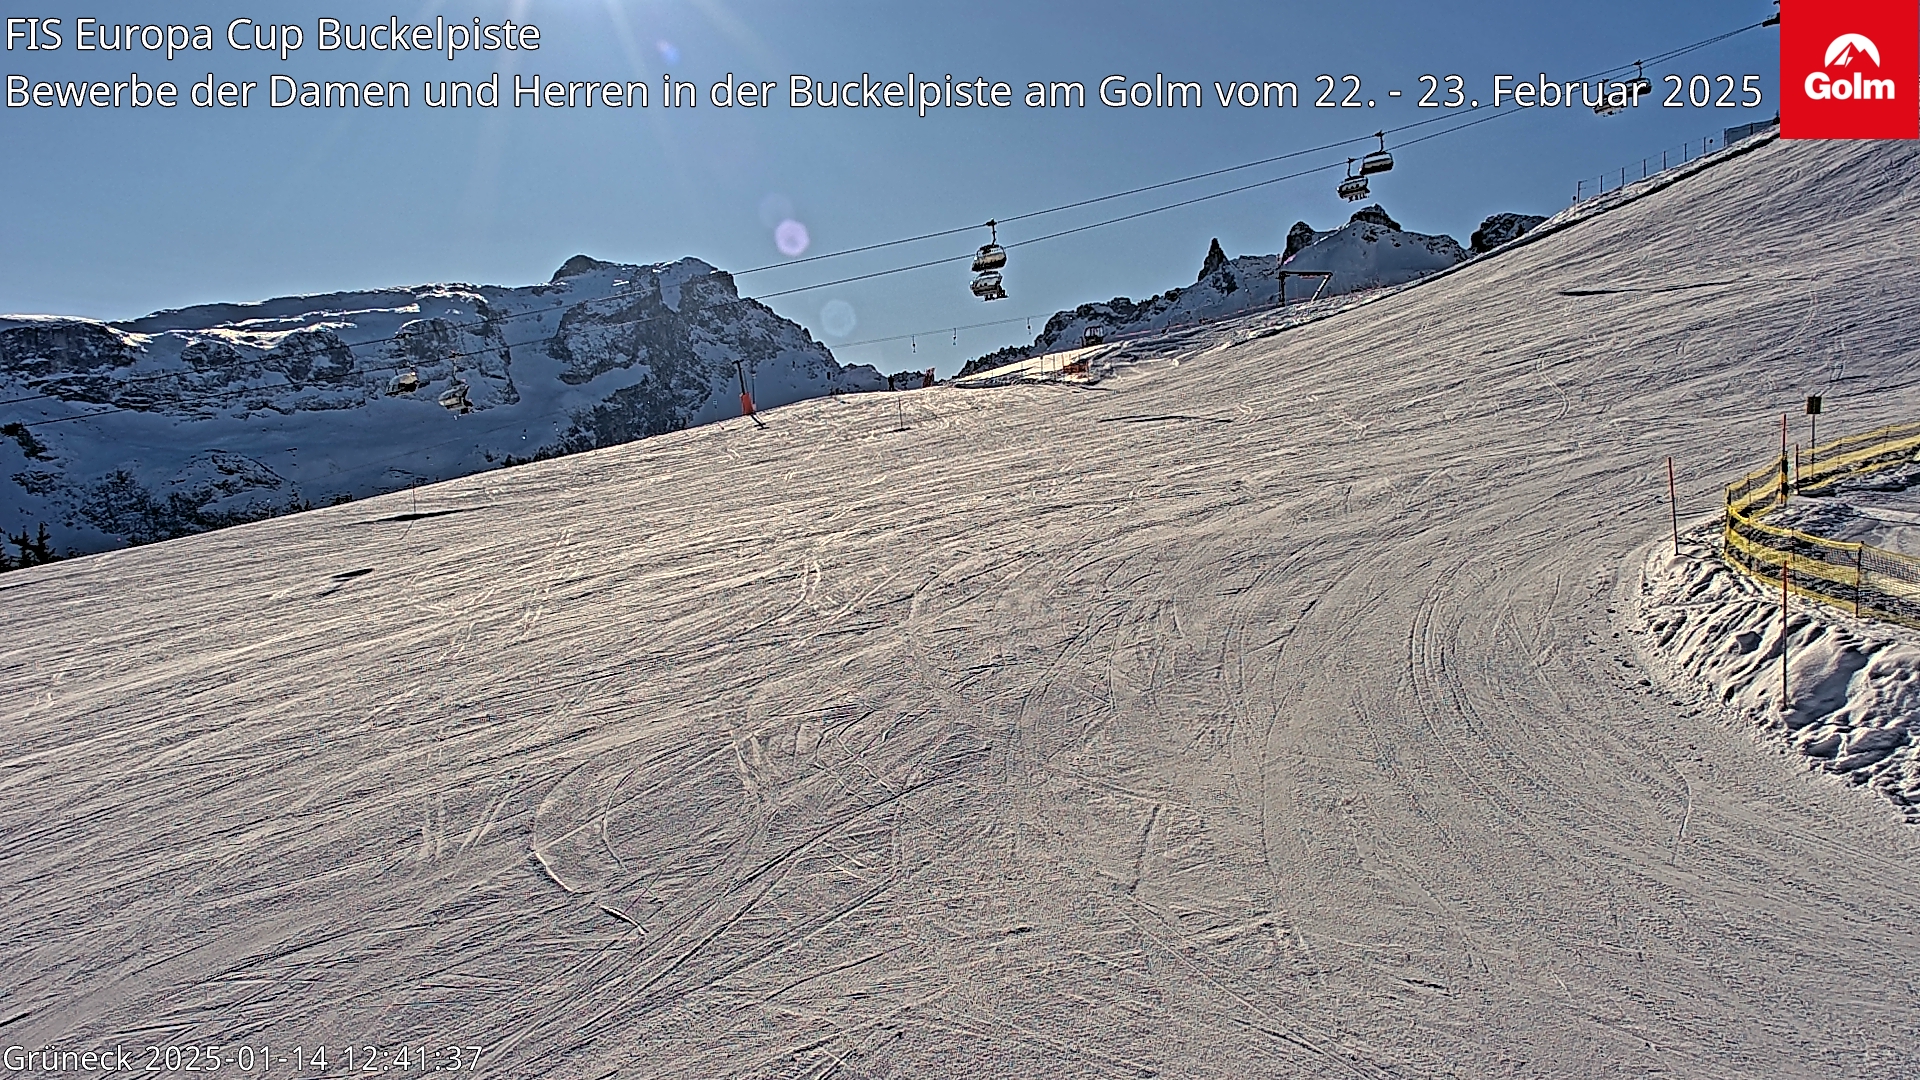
pixel 746 399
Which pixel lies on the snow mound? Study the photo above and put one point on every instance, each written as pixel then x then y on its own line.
pixel 1853 686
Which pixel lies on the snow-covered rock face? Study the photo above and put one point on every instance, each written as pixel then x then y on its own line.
pixel 1500 229
pixel 1374 214
pixel 221 413
pixel 1370 251
pixel 1298 237
pixel 1216 258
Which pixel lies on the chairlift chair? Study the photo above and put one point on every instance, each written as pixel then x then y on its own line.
pixel 1641 86
pixel 987 286
pixel 404 383
pixel 1637 87
pixel 992 256
pixel 1353 188
pixel 987 264
pixel 455 399
pixel 1378 161
pixel 1092 336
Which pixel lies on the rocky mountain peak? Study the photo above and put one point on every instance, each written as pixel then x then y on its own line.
pixel 1216 258
pixel 1373 215
pixel 1298 237
pixel 580 264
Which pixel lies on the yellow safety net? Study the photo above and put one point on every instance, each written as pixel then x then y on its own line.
pixel 1869 581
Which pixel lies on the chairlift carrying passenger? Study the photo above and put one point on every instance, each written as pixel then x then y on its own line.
pixel 1641 85
pixel 1378 161
pixel 1636 88
pixel 1092 336
pixel 1353 188
pixel 455 399
pixel 987 264
pixel 992 256
pixel 987 286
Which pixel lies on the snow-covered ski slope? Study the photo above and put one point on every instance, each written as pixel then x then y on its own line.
pixel 1263 715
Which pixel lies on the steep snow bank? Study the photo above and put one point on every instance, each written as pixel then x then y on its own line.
pixel 1852 688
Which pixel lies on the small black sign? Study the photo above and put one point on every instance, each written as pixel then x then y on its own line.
pixel 1813 405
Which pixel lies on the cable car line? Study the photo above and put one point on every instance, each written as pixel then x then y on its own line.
pixel 1381 135
pixel 1657 58
pixel 1056 235
pixel 819 285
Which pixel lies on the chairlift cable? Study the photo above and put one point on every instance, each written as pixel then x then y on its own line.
pixel 399 336
pixel 1655 59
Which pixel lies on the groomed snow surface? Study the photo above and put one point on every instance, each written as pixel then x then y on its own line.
pixel 1274 714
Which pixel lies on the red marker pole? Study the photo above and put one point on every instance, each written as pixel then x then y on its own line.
pixel 1673 500
pixel 746 399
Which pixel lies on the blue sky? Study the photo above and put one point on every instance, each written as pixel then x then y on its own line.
pixel 114 213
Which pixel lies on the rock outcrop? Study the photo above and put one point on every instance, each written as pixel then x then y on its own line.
pixel 1216 258
pixel 1500 229
pixel 1298 237
pixel 1374 215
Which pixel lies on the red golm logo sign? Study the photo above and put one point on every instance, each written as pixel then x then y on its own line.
pixel 1849 70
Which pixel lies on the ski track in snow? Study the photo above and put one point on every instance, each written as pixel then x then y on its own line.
pixel 1015 742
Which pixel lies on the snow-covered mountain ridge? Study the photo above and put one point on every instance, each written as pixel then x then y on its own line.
pixel 1370 251
pixel 221 413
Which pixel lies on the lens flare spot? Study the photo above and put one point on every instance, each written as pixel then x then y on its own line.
pixel 791 238
pixel 837 318
pixel 666 50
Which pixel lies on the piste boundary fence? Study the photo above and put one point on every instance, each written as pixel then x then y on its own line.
pixel 1867 580
pixel 1671 158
